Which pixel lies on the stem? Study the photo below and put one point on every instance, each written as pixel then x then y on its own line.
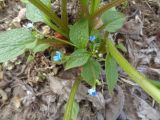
pixel 101 27
pixel 64 41
pixel 68 111
pixel 102 48
pixel 94 6
pixel 49 13
pixel 84 8
pixel 106 7
pixel 52 39
pixel 132 72
pixel 156 83
pixel 60 40
pixel 54 27
pixel 64 16
pixel 92 11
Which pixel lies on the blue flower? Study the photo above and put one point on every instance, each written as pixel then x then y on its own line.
pixel 29 26
pixel 92 38
pixel 57 57
pixel 92 92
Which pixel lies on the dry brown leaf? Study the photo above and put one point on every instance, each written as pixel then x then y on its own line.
pixel 17 102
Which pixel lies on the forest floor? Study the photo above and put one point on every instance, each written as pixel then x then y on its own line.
pixel 39 90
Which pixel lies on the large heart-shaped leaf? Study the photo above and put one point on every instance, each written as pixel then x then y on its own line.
pixel 113 20
pixel 91 71
pixel 77 59
pixel 79 33
pixel 14 43
pixel 111 72
pixel 33 13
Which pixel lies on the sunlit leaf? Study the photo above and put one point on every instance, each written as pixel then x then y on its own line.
pixel 14 43
pixel 77 59
pixel 91 71
pixel 75 111
pixel 113 20
pixel 79 33
pixel 111 72
pixel 33 13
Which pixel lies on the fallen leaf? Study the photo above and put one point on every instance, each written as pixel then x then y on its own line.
pixel 17 101
pixel 145 111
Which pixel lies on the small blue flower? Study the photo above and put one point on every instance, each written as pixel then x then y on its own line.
pixel 29 25
pixel 92 92
pixel 57 57
pixel 92 38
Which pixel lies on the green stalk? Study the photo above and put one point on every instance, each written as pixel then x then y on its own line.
pixel 94 5
pixel 106 7
pixel 64 41
pixel 49 13
pixel 54 27
pixel 64 16
pixel 69 106
pixel 132 72
pixel 84 8
pixel 54 40
pixel 156 83
pixel 101 27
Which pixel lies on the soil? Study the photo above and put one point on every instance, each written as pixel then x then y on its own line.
pixel 39 90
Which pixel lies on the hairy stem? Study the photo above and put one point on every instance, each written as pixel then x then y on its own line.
pixel 64 16
pixel 68 111
pixel 84 8
pixel 54 27
pixel 52 39
pixel 49 13
pixel 132 72
pixel 101 10
pixel 94 5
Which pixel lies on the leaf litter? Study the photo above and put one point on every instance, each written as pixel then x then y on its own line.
pixel 33 91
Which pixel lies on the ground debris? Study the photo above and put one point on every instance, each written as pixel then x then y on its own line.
pixel 40 90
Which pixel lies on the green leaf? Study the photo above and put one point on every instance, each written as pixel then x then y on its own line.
pixel 40 47
pixel 84 2
pixel 69 105
pixel 94 6
pixel 121 47
pixel 79 33
pixel 139 78
pixel 111 72
pixel 30 59
pixel 75 111
pixel 90 71
pixel 25 1
pixel 77 59
pixel 14 43
pixel 113 20
pixel 33 13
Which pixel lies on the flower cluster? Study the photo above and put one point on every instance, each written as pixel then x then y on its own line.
pixel 92 38
pixel 57 57
pixel 92 92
